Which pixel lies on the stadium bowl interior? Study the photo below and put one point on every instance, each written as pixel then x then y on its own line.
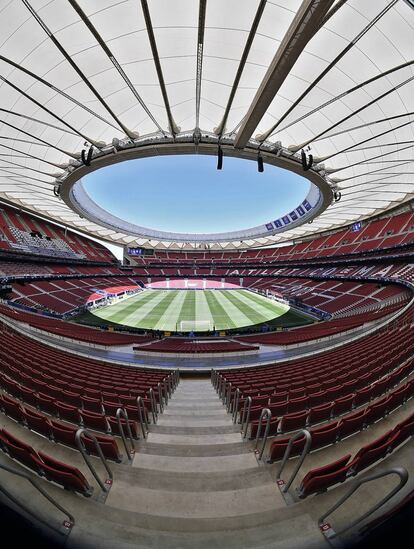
pixel 180 389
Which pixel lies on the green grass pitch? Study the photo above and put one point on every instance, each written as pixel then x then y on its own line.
pixel 225 309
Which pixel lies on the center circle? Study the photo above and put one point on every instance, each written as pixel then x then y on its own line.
pixel 187 194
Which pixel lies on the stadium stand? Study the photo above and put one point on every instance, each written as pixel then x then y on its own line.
pixel 354 398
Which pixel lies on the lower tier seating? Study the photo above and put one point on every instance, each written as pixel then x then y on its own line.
pixel 60 473
pixel 320 479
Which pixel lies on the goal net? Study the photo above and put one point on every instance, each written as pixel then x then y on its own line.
pixel 195 326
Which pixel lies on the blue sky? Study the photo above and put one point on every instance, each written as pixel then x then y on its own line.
pixel 186 193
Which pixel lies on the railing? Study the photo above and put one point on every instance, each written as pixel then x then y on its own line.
pixel 214 375
pixel 122 412
pixel 168 383
pixel 160 397
pixel 176 377
pixel 222 388
pixel 402 474
pixel 154 407
pixel 165 389
pixel 105 486
pixel 142 414
pixel 236 400
pixel 245 418
pixel 227 399
pixel 284 487
pixel 266 415
pixel 68 525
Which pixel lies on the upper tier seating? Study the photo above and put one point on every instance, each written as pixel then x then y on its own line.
pixel 62 296
pixel 21 232
pixel 374 235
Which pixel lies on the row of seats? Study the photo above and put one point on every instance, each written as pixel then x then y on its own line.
pixel 53 470
pixel 320 479
pixel 55 430
pixel 375 347
pixel 97 421
pixel 29 357
pixel 320 330
pixel 73 331
pixel 172 345
pixel 297 413
pixel 332 432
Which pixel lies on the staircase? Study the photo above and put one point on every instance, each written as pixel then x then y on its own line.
pixel 196 484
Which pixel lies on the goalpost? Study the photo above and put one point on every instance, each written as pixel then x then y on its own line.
pixel 195 326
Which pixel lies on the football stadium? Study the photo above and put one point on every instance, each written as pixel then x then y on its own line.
pixel 207 274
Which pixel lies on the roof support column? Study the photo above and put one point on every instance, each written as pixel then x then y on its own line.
pixel 303 27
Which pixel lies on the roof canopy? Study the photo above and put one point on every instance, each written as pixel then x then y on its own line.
pixel 274 77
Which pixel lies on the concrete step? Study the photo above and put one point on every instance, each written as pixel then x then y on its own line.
pixel 192 440
pixel 187 481
pixel 180 401
pixel 178 464
pixel 197 504
pixel 191 411
pixel 207 429
pixel 198 450
pixel 192 421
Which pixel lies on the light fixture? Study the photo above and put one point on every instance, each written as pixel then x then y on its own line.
pixel 219 158
pixel 306 162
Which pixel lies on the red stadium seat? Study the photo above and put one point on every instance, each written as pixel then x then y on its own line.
pixel 352 423
pixel 322 478
pixel 324 435
pixel 95 420
pixel 37 422
pixel 320 413
pixel 372 452
pixel 343 404
pixel 19 450
pixel 67 476
pixel 67 412
pixel 293 422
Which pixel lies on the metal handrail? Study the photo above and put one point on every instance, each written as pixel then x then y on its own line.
pixel 33 482
pixel 83 451
pixel 400 471
pixel 154 408
pixel 160 397
pixel 228 397
pixel 225 391
pixel 305 452
pixel 166 395
pixel 213 377
pixel 246 415
pixel 122 412
pixel 217 381
pixel 236 404
pixel 142 414
pixel 169 385
pixel 222 387
pixel 266 414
